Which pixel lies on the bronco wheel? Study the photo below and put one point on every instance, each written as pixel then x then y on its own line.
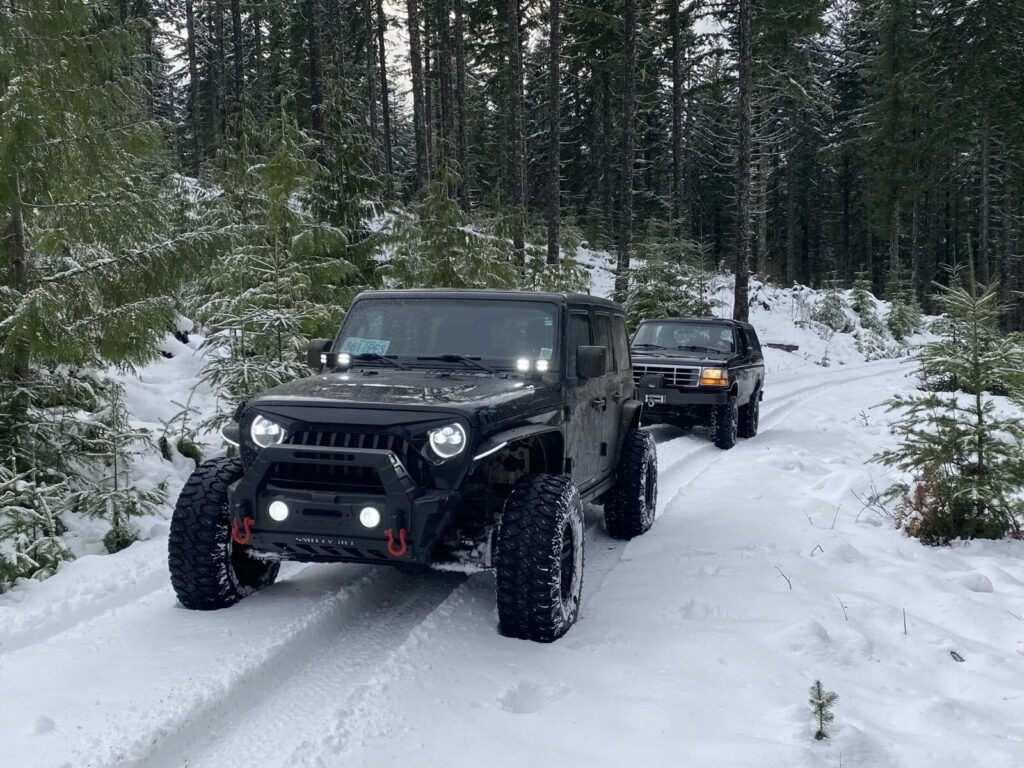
pixel 724 423
pixel 539 559
pixel 630 504
pixel 750 415
pixel 208 569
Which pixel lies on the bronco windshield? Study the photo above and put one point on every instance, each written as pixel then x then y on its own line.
pixel 497 333
pixel 693 337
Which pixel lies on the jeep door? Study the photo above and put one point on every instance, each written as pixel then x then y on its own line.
pixel 616 385
pixel 584 423
pixel 748 369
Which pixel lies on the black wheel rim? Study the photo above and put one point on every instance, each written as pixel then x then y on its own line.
pixel 568 564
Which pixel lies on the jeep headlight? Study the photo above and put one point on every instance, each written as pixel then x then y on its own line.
pixel 714 377
pixel 448 441
pixel 265 432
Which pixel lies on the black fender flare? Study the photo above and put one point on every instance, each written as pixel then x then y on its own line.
pixel 499 440
pixel 629 418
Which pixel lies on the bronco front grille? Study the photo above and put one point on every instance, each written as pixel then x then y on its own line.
pixel 338 477
pixel 675 376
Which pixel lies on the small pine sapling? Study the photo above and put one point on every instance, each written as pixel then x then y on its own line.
pixel 821 702
pixel 110 444
pixel 31 543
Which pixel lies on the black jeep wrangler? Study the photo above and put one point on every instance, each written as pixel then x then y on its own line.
pixel 700 371
pixel 444 427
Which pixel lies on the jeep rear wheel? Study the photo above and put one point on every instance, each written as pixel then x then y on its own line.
pixel 725 423
pixel 629 506
pixel 750 415
pixel 539 559
pixel 209 570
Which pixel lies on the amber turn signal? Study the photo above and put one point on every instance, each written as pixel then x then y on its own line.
pixel 713 377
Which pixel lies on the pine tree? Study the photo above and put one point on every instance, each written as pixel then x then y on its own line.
pixel 821 702
pixel 31 545
pixel 283 279
pixel 438 247
pixel 965 458
pixel 107 446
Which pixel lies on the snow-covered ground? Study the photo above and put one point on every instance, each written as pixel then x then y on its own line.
pixel 696 645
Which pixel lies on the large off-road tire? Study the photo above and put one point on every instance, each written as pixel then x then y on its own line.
pixel 539 559
pixel 209 570
pixel 750 416
pixel 630 504
pixel 725 423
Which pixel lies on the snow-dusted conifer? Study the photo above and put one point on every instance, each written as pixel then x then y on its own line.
pixel 281 281
pixel 966 458
pixel 108 444
pixel 904 316
pixel 30 530
pixel 440 248
pixel 670 281
pixel 821 702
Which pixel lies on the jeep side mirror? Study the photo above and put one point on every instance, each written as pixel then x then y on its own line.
pixel 591 361
pixel 316 353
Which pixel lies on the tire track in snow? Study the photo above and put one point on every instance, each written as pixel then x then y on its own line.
pixel 289 698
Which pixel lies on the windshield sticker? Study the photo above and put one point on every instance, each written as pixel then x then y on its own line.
pixel 545 353
pixel 357 346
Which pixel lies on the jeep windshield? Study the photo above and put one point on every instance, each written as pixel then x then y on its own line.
pixel 462 333
pixel 689 337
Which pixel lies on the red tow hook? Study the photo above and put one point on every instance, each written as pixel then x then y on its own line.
pixel 247 524
pixel 392 549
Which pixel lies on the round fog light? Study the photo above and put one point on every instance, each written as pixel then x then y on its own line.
pixel 278 511
pixel 369 517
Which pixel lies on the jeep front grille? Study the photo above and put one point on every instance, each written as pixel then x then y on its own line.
pixel 338 477
pixel 675 376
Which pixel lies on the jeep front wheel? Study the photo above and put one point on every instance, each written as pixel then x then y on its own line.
pixel 209 570
pixel 725 423
pixel 539 559
pixel 629 506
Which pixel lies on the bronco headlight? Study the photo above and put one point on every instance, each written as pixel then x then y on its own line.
pixel 714 377
pixel 448 441
pixel 265 432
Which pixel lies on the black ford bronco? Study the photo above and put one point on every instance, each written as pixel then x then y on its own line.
pixel 700 371
pixel 444 427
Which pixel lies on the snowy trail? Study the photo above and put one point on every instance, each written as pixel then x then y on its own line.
pixel 354 665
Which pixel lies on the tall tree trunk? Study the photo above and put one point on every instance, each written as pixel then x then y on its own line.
pixel 894 240
pixel 193 87
pixel 462 138
pixel 385 105
pixel 984 206
pixel 680 208
pixel 629 97
pixel 554 131
pixel 371 79
pixel 419 110
pixel 316 88
pixel 19 265
pixel 761 212
pixel 256 88
pixel 221 72
pixel 238 92
pixel 429 100
pixel 517 171
pixel 444 84
pixel 741 305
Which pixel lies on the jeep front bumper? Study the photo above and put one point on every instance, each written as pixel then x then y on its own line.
pixel 323 523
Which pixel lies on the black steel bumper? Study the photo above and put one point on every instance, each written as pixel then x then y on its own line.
pixel 323 525
pixel 661 397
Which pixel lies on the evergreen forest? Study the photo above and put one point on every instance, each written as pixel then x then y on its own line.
pixel 252 164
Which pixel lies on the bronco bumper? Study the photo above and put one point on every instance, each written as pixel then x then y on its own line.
pixel 324 489
pixel 655 397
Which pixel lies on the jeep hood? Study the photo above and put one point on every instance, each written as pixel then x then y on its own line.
pixel 374 388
